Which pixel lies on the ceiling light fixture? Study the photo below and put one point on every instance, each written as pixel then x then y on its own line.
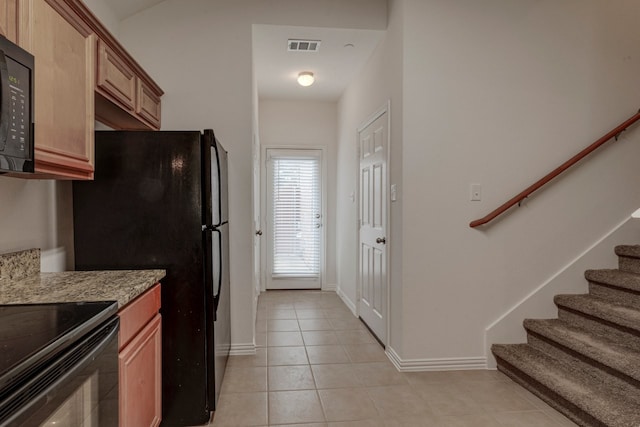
pixel 306 78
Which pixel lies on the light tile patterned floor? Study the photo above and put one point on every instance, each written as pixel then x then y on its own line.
pixel 317 365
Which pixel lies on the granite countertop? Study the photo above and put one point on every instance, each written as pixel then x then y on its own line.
pixel 76 286
pixel 26 286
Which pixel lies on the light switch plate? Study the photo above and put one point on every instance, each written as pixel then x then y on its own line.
pixel 394 193
pixel 476 192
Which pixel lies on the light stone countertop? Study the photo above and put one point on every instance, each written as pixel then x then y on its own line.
pixel 21 282
pixel 78 286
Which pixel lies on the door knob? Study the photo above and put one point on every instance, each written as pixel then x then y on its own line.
pixel 381 240
pixel 259 233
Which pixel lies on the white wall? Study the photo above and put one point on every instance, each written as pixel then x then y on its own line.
pixel 105 14
pixel 304 124
pixel 380 80
pixel 199 52
pixel 500 92
pixel 31 216
pixel 486 97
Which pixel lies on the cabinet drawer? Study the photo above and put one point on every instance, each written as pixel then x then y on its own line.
pixel 135 315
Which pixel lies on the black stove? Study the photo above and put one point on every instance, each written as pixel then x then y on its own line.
pixel 33 334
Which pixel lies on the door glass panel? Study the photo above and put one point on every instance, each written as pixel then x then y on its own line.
pixel 79 409
pixel 296 216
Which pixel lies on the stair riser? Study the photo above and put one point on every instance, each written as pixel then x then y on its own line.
pixel 613 294
pixel 632 265
pixel 598 327
pixel 559 352
pixel 551 398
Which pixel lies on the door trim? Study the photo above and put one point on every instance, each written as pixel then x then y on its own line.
pixel 385 108
pixel 264 216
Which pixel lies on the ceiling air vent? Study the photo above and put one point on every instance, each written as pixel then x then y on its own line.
pixel 295 45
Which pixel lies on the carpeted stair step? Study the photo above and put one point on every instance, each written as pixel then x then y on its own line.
pixel 587 398
pixel 576 345
pixel 615 285
pixel 628 258
pixel 622 322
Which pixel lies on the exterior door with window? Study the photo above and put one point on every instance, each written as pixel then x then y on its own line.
pixel 294 219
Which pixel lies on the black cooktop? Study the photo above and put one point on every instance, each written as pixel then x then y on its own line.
pixel 32 334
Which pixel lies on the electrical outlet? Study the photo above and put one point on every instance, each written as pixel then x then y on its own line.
pixel 476 192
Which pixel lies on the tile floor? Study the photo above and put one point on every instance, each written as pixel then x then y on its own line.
pixel 317 365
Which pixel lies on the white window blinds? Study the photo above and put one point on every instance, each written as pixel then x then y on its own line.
pixel 296 216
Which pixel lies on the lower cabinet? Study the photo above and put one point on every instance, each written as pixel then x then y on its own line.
pixel 140 361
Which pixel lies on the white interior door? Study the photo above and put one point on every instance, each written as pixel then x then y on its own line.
pixel 257 260
pixel 294 219
pixel 372 305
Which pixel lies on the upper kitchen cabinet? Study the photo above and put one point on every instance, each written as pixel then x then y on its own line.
pixel 82 74
pixel 126 97
pixel 63 46
pixel 148 103
pixel 10 15
pixel 116 79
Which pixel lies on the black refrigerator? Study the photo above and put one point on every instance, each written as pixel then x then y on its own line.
pixel 159 200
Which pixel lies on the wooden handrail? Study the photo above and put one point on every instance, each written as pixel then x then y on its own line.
pixel 557 171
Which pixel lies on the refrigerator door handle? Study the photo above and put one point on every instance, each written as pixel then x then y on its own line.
pixel 216 298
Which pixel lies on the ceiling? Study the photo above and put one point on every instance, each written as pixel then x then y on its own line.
pixel 334 65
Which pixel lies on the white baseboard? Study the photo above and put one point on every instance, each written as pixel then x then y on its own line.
pixel 242 349
pixel 446 364
pixel 330 287
pixel 350 304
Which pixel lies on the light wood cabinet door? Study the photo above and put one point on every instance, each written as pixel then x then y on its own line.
pixel 116 80
pixel 64 50
pixel 148 104
pixel 140 378
pixel 9 19
pixel 140 360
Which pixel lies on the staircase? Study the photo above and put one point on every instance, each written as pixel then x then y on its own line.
pixel 586 363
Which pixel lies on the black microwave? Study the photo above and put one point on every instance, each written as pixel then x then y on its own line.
pixel 16 108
